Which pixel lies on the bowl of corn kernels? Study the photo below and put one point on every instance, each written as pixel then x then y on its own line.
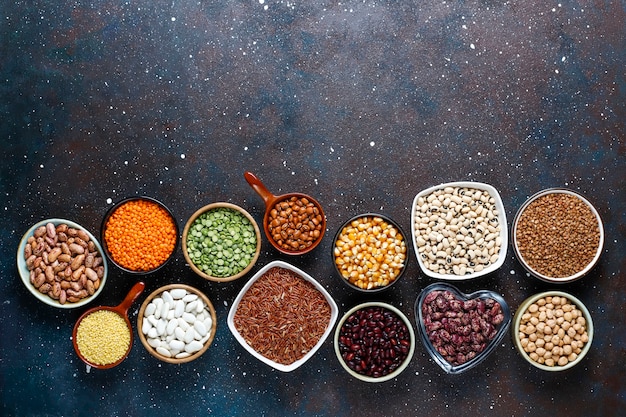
pixel 552 330
pixel 370 252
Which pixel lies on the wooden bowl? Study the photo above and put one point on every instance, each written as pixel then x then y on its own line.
pixel 159 292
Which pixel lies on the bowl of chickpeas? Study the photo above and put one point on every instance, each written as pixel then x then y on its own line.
pixel 370 252
pixel 552 330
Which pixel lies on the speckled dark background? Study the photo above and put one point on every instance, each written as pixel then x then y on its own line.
pixel 361 104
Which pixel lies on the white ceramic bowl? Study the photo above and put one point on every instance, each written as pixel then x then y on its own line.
pixel 25 273
pixel 537 274
pixel 405 362
pixel 518 317
pixel 501 219
pixel 296 364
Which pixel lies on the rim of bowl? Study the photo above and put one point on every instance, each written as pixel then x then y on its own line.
pixel 151 297
pixel 528 268
pixel 522 309
pixel 117 205
pixel 212 206
pixel 25 273
pixel 503 232
pixel 406 361
pixel 281 198
pixel 491 346
pixel 334 312
pixel 376 289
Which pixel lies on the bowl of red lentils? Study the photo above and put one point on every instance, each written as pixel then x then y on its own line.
pixel 558 235
pixel 221 242
pixel 552 330
pixel 459 230
pixel 374 342
pixel 139 235
pixel 370 252
pixel 282 316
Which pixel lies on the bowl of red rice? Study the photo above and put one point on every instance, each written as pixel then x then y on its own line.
pixel 282 316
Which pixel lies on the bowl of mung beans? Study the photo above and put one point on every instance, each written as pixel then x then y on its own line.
pixel 557 235
pixel 221 242
pixel 459 230
pixel 282 316
pixel 294 223
pixel 370 252
pixel 374 342
pixel 61 263
pixel 176 323
pixel 552 330
pixel 139 235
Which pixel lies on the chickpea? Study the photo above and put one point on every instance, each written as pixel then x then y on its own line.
pixel 553 331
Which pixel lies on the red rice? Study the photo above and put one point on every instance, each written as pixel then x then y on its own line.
pixel 282 316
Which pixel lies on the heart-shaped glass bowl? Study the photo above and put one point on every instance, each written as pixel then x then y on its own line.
pixel 474 339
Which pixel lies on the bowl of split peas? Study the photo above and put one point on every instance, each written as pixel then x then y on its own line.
pixel 221 242
pixel 552 330
pixel 139 235
pixel 370 252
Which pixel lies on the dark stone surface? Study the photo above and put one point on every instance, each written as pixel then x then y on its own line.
pixel 360 104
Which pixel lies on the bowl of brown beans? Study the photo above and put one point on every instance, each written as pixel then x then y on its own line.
pixel 139 235
pixel 370 252
pixel 294 223
pixel 552 330
pixel 221 242
pixel 374 342
pixel 459 230
pixel 558 235
pixel 460 330
pixel 61 263
pixel 282 316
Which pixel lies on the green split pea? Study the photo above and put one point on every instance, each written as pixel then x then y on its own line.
pixel 221 242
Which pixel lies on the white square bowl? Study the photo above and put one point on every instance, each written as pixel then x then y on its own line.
pixel 501 219
pixel 334 312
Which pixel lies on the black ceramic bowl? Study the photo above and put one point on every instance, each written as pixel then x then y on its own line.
pixel 172 233
pixel 382 258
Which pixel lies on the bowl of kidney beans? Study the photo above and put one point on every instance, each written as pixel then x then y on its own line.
pixel 460 330
pixel 374 342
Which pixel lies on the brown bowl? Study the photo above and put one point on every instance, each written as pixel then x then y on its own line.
pixel 122 311
pixel 213 276
pixel 205 341
pixel 271 201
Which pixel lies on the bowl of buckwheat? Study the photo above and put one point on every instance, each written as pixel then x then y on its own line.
pixel 557 235
pixel 459 230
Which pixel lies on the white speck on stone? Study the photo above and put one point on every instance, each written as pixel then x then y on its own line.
pixel 182 156
pixel 109 200
pixel 261 1
pixel 563 59
pixel 512 272
pixel 173 19
pixel 472 46
pixel 372 143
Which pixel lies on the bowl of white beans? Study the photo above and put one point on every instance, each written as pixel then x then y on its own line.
pixel 552 330
pixel 176 323
pixel 459 230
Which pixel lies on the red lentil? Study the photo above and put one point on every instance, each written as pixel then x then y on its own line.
pixel 282 316
pixel 140 235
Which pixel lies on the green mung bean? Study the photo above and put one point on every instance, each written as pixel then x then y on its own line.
pixel 221 242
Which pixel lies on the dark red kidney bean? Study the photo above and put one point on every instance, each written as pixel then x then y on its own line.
pixel 368 341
